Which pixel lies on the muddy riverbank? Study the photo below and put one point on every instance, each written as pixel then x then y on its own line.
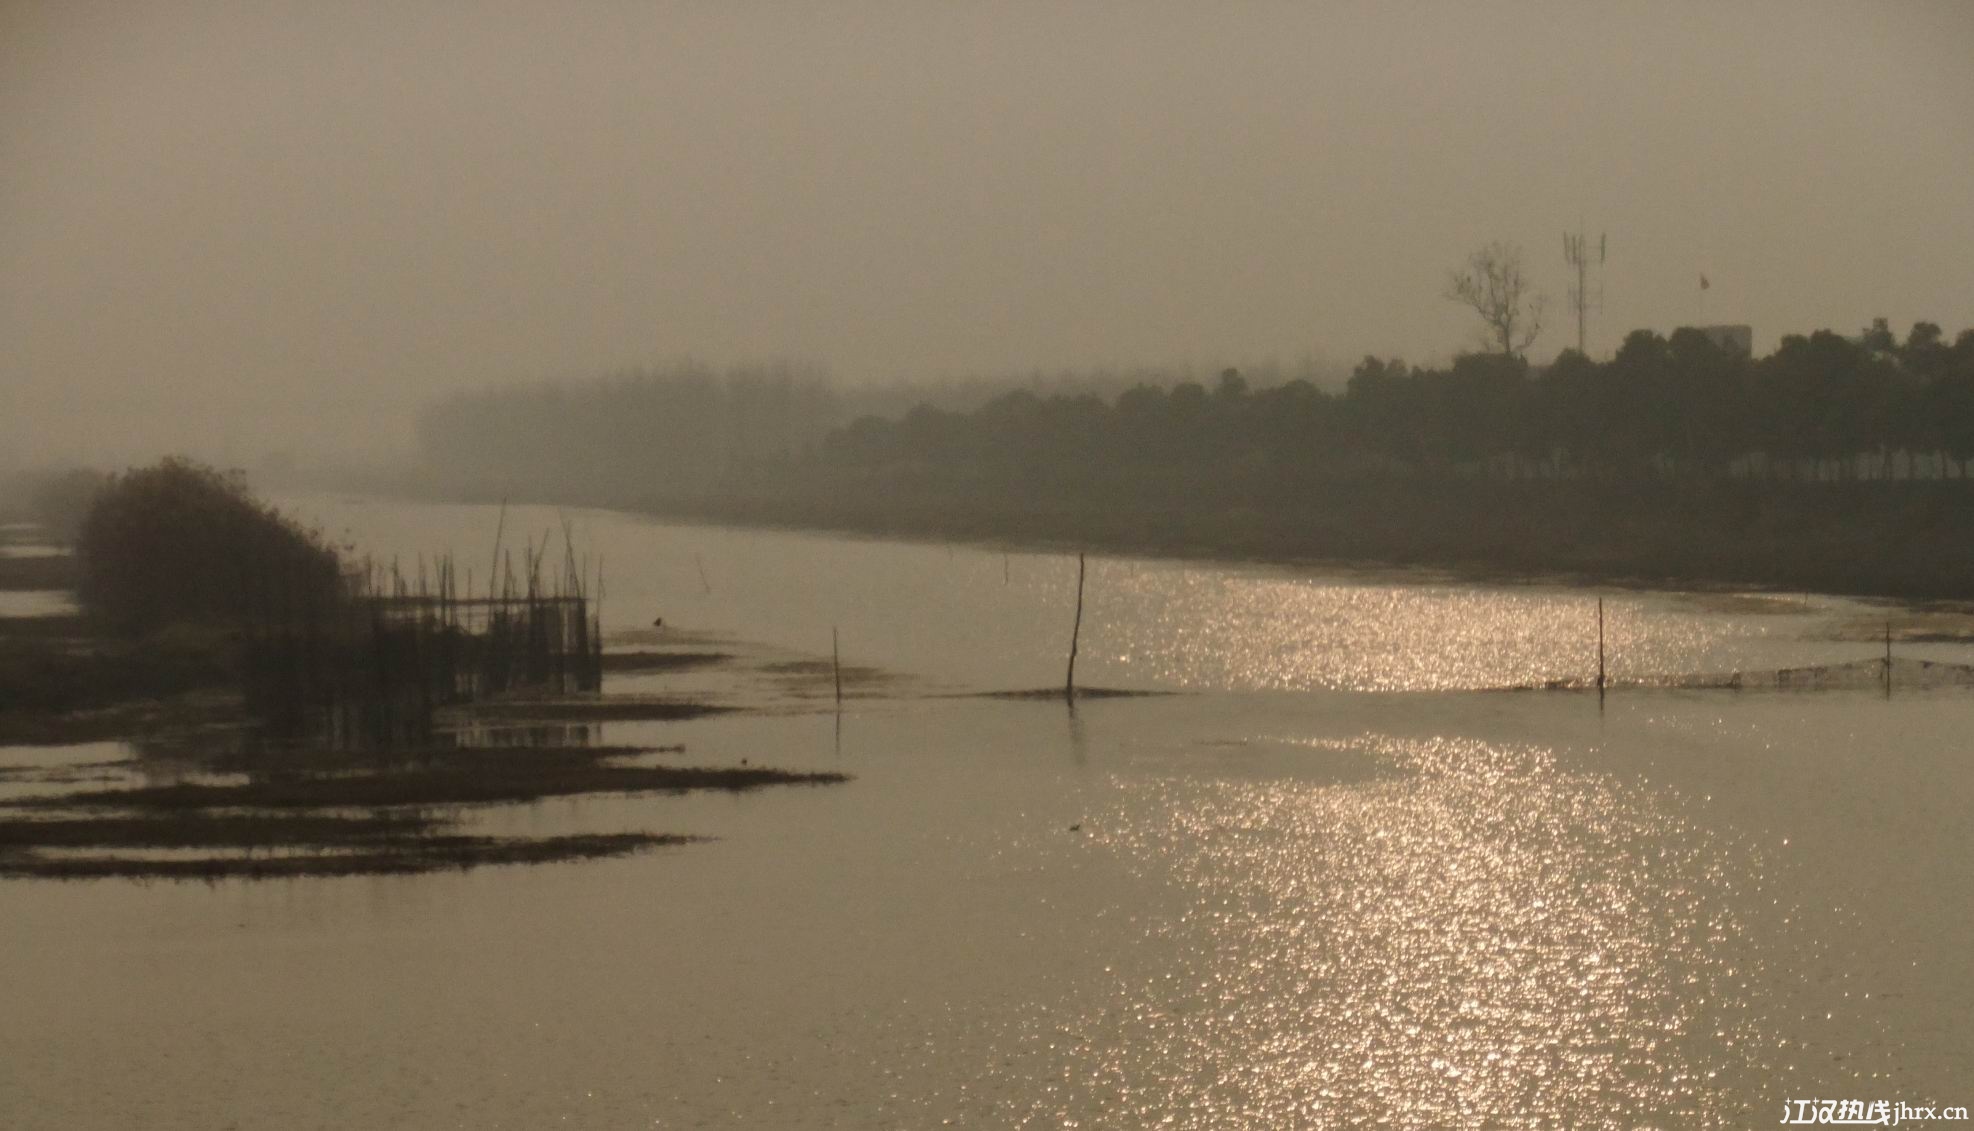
pixel 192 789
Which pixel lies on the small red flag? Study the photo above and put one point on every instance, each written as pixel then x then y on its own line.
pixel 1703 283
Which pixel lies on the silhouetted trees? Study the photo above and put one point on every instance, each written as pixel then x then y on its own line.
pixel 1822 407
pixel 685 429
pixel 688 431
pixel 1674 459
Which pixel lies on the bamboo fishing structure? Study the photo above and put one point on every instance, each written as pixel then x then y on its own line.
pixel 370 667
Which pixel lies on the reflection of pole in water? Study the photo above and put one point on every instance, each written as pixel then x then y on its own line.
pixel 836 666
pixel 1079 744
pixel 1888 659
pixel 700 563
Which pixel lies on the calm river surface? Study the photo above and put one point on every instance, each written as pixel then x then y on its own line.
pixel 1341 880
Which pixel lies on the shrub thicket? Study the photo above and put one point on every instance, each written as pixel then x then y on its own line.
pixel 179 542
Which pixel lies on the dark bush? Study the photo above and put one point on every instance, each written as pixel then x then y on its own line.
pixel 179 542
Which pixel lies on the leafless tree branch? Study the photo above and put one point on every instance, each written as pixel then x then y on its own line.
pixel 1493 284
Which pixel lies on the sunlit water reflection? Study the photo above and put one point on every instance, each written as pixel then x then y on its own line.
pixel 1469 937
pixel 1288 898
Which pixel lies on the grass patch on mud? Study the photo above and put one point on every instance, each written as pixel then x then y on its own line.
pixel 505 779
pixel 1057 693
pixel 290 811
pixel 336 813
pixel 61 681
pixel 65 627
pixel 214 830
pixel 593 709
pixel 52 571
pixel 179 714
pixel 820 675
pixel 661 661
pixel 405 857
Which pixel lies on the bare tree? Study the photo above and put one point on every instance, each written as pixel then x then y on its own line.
pixel 1493 284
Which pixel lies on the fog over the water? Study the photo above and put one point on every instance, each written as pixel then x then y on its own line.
pixel 243 228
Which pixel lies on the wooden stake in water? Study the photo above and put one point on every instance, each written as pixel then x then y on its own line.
pixel 1600 647
pixel 1888 657
pixel 1069 682
pixel 499 529
pixel 836 665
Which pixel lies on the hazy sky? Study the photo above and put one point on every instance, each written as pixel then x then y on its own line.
pixel 242 227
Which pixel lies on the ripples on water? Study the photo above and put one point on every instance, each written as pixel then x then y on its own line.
pixel 1264 630
pixel 1471 937
pixel 982 618
pixel 1425 926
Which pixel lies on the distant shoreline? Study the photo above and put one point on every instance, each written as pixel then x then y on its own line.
pixel 1901 541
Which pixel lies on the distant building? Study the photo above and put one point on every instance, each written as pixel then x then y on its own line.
pixel 1739 339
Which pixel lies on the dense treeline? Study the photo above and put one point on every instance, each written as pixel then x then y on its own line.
pixel 1835 463
pixel 686 427
pixel 687 430
pixel 1832 464
pixel 1821 407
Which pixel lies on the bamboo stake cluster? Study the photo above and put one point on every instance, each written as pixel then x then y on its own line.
pixel 371 667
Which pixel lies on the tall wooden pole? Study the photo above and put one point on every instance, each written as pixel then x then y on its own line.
pixel 499 529
pixel 836 665
pixel 1600 647
pixel 1069 682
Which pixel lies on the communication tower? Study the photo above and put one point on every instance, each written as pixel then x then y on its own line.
pixel 1578 253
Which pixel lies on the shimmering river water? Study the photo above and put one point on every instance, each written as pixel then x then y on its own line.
pixel 1340 879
